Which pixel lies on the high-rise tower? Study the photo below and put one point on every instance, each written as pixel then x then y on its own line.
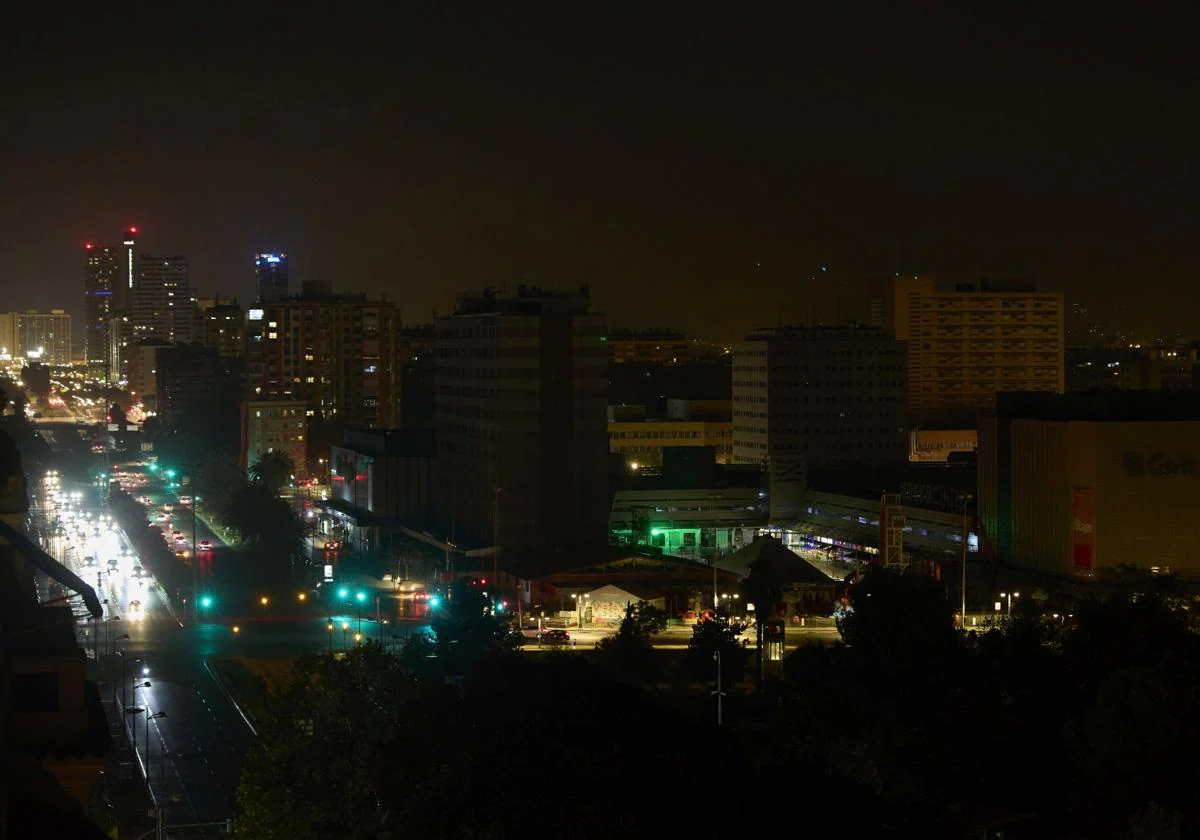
pixel 270 276
pixel 102 277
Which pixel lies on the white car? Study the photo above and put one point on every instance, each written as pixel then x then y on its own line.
pixel 135 611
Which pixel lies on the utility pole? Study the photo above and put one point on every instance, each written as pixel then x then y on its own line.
pixel 195 557
pixel 965 533
pixel 496 548
pixel 720 694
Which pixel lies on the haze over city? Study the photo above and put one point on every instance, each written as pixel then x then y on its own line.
pixel 598 421
pixel 671 160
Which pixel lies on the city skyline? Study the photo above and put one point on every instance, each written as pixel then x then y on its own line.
pixel 668 163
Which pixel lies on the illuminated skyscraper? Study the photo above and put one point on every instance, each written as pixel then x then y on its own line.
pixel 124 292
pixel 103 275
pixel 271 276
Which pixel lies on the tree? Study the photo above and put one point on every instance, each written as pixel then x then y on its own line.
pixel 341 748
pixel 465 628
pixel 629 652
pixel 713 635
pixel 900 626
pixel 273 470
pixel 116 414
pixel 1138 744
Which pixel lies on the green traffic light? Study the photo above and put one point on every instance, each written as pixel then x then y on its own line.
pixel 343 592
pixel 206 601
pixel 361 596
pixel 153 468
pixel 169 473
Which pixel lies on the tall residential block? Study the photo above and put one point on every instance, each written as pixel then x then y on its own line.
pixel 520 419
pixel 971 342
pixel 274 426
pixel 270 276
pixel 162 305
pixel 103 276
pixel 39 336
pixel 336 353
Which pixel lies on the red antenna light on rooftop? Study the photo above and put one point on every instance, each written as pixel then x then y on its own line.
pixel 133 229
pixel 88 246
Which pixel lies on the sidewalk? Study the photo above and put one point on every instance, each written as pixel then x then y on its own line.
pixel 126 786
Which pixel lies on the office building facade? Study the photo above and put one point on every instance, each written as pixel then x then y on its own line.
pixel 337 354
pixel 823 397
pixel 519 413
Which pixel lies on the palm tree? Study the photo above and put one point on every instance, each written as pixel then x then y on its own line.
pixel 273 470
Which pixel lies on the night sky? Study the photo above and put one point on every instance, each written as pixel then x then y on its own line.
pixel 693 168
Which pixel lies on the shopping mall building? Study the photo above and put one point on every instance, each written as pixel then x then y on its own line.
pixel 1071 483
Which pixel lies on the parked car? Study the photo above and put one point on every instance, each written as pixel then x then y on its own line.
pixel 554 637
pixel 205 545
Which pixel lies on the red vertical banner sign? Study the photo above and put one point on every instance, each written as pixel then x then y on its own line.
pixel 1083 527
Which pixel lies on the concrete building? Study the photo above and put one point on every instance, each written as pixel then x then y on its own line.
pixel 520 422
pixel 142 371
pixel 969 343
pixel 661 347
pixel 641 443
pixel 162 305
pixel 380 481
pixel 337 353
pixel 818 397
pixel 45 336
pixel 270 277
pixel 274 426
pixel 1073 483
pixel 689 507
pixel 221 326
pixel 188 376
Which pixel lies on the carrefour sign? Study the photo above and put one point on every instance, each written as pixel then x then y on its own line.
pixel 1158 463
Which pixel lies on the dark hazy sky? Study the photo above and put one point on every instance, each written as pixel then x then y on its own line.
pixel 693 168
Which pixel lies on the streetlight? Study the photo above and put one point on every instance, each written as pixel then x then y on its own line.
pixel 720 694
pixel 579 599
pixel 345 627
pixel 149 717
pixel 1009 596
pixel 302 597
pixel 236 629
pixel 264 600
pixel 124 677
pixel 329 627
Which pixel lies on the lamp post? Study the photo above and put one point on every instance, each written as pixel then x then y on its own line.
pixel 1010 596
pixel 579 599
pixel 124 677
pixel 329 627
pixel 966 497
pixel 150 717
pixel 719 692
pixel 345 629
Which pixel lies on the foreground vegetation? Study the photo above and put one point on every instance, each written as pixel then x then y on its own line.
pixel 1079 728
